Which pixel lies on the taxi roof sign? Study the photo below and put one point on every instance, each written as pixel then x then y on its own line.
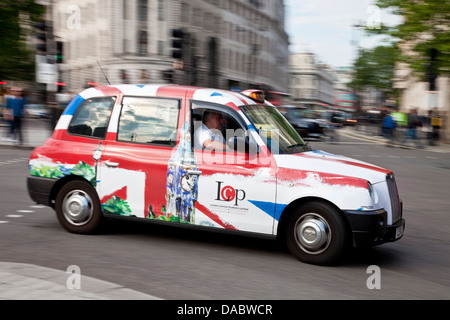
pixel 255 95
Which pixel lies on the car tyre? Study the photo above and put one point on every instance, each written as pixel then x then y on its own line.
pixel 317 233
pixel 78 207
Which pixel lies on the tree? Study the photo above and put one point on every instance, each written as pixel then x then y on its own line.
pixel 374 68
pixel 424 34
pixel 16 59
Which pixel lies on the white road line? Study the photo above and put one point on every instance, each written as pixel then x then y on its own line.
pixel 2 221
pixel 38 207
pixel 24 211
pixel 14 215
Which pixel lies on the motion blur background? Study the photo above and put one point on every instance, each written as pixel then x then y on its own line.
pixel 55 48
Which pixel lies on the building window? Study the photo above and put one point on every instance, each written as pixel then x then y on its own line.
pixel 142 10
pixel 160 10
pixel 142 43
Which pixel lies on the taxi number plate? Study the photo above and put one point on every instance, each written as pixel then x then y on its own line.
pixel 399 232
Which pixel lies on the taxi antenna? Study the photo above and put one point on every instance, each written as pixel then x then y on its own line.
pixel 103 72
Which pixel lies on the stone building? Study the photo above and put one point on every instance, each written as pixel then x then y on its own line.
pixel 311 83
pixel 226 44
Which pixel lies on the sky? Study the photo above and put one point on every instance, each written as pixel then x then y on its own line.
pixel 324 27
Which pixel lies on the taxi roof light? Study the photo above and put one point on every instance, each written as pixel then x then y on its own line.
pixel 255 95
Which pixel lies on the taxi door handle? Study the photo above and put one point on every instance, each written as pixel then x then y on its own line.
pixel 112 164
pixel 194 172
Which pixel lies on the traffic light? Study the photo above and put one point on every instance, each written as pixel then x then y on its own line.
pixel 177 43
pixel 60 86
pixel 431 72
pixel 59 52
pixel 41 35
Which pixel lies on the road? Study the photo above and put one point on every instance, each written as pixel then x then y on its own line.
pixel 176 263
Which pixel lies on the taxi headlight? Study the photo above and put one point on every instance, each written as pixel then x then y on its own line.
pixel 372 192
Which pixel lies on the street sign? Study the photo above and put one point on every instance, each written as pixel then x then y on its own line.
pixel 46 72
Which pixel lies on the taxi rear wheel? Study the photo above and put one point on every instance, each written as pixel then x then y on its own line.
pixel 78 208
pixel 317 234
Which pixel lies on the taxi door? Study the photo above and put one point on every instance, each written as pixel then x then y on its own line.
pixel 133 167
pixel 236 190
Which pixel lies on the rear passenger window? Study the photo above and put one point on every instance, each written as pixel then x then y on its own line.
pixel 92 117
pixel 149 120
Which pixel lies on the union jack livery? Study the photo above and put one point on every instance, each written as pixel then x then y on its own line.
pixel 128 150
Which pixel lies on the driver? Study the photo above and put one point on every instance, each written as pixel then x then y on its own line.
pixel 209 136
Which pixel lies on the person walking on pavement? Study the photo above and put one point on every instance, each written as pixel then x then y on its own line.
pixel 411 133
pixel 333 125
pixel 436 124
pixel 389 126
pixel 16 102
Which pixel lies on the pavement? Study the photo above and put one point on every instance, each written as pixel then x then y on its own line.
pixel 21 281
pixel 371 134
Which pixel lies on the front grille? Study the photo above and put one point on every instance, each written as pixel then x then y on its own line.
pixel 395 200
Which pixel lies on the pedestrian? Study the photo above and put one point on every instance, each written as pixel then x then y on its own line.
pixel 411 132
pixel 333 125
pixel 15 104
pixel 389 126
pixel 436 124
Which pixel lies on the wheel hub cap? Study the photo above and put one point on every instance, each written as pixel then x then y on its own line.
pixel 312 234
pixel 77 208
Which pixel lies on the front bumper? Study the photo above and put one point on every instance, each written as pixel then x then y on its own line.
pixel 370 228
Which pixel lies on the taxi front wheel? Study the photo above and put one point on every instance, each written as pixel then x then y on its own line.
pixel 78 208
pixel 317 234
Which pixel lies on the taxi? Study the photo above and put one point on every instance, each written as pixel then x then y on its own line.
pixel 128 150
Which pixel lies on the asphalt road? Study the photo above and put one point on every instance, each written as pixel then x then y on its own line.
pixel 176 263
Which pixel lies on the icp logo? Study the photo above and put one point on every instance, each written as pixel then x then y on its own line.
pixel 229 194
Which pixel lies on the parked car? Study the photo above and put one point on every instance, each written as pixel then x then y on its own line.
pixel 37 111
pixel 304 121
pixel 128 150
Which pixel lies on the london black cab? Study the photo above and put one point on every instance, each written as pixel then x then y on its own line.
pixel 137 151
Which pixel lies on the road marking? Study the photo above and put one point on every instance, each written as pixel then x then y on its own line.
pixel 24 211
pixel 2 221
pixel 14 161
pixel 38 207
pixel 14 216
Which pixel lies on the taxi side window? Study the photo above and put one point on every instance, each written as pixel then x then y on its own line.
pixel 149 120
pixel 92 117
pixel 229 128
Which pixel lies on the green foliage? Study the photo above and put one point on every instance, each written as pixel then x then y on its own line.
pixel 81 169
pixel 117 205
pixel 84 170
pixel 374 68
pixel 16 59
pixel 425 26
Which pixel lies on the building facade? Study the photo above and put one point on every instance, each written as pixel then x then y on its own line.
pixel 311 83
pixel 230 44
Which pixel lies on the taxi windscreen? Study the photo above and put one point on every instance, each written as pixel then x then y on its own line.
pixel 275 130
